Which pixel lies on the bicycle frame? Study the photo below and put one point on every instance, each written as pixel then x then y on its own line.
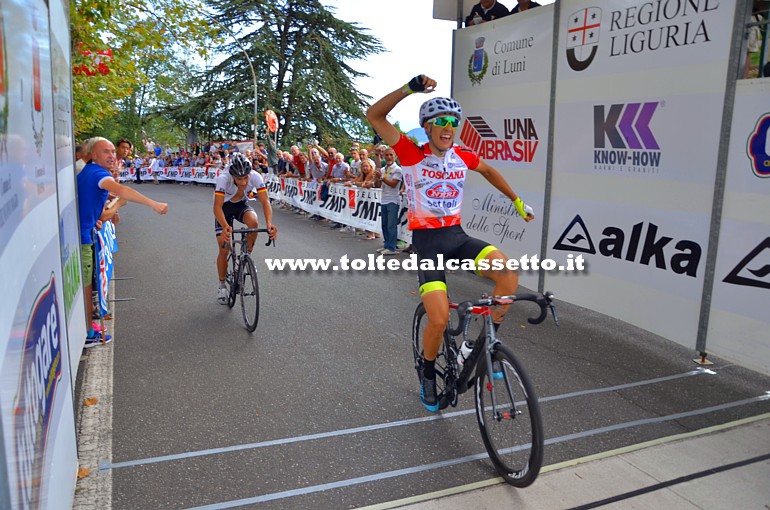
pixel 463 381
pixel 243 268
pixel 500 385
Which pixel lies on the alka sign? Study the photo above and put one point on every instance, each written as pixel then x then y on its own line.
pixel 642 245
pixel 519 144
pixel 647 27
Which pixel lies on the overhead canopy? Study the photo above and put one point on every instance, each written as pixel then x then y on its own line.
pixel 448 9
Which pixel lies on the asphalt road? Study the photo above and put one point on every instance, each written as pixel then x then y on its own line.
pixel 319 407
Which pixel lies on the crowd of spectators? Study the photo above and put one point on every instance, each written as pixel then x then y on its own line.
pixel 356 167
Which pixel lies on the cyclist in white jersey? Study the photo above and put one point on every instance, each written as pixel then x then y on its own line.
pixel 434 176
pixel 231 190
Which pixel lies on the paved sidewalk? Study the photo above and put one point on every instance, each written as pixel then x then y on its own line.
pixel 726 466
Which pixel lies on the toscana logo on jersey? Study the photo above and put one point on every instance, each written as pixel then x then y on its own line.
pixel 40 372
pixel 758 147
pixel 519 144
pixel 623 139
pixel 583 37
pixel 478 63
pixel 643 245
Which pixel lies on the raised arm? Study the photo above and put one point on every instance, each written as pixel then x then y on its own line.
pixel 377 115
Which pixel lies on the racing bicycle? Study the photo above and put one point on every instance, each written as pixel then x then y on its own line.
pixel 241 277
pixel 507 408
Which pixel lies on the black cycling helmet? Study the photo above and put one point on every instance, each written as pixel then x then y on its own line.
pixel 239 165
pixel 438 106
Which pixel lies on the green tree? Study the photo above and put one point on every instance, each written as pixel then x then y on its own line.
pixel 301 54
pixel 137 32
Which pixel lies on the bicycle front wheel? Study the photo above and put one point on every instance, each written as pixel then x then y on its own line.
pixel 249 290
pixel 512 431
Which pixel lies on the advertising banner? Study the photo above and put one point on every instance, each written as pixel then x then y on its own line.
pixel 635 151
pixel 36 408
pixel 739 321
pixel 106 244
pixel 349 205
pixel 502 79
pixel 61 66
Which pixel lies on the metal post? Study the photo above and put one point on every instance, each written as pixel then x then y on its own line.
pixel 251 66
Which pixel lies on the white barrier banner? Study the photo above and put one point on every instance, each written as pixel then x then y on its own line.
pixel 36 404
pixel 349 205
pixel 508 130
pixel 739 321
pixel 635 152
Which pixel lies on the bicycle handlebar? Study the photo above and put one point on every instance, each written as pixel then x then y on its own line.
pixel 544 301
pixel 245 231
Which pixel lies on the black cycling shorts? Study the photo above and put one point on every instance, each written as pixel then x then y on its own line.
pixel 451 242
pixel 233 211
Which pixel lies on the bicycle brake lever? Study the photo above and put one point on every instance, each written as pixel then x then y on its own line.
pixel 553 312
pixel 270 241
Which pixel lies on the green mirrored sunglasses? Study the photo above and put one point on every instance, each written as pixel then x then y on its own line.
pixel 443 121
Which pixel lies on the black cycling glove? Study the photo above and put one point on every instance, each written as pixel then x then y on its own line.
pixel 414 85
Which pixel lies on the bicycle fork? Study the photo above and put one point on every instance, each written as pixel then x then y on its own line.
pixel 490 343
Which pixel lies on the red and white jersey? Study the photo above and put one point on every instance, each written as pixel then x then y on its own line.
pixel 434 185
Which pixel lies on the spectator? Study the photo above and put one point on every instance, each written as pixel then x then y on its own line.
pixel 523 5
pixel 300 162
pixel 339 171
pixel 152 167
pixel 124 149
pixel 94 184
pixel 353 147
pixel 390 180
pixel 365 180
pixel 355 164
pixel 754 63
pixel 331 154
pixel 149 145
pixel 379 156
pixel 261 163
pixel 486 10
pixel 365 155
pixel 318 168
pixel 80 154
pixel 138 168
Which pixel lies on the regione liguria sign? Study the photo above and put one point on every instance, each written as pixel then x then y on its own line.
pixel 594 34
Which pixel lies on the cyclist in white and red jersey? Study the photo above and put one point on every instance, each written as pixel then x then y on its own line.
pixel 434 175
pixel 231 190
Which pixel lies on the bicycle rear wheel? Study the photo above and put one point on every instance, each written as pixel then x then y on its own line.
pixel 230 278
pixel 249 290
pixel 418 327
pixel 513 431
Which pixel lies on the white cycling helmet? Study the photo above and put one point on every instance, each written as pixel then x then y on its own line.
pixel 239 165
pixel 439 106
